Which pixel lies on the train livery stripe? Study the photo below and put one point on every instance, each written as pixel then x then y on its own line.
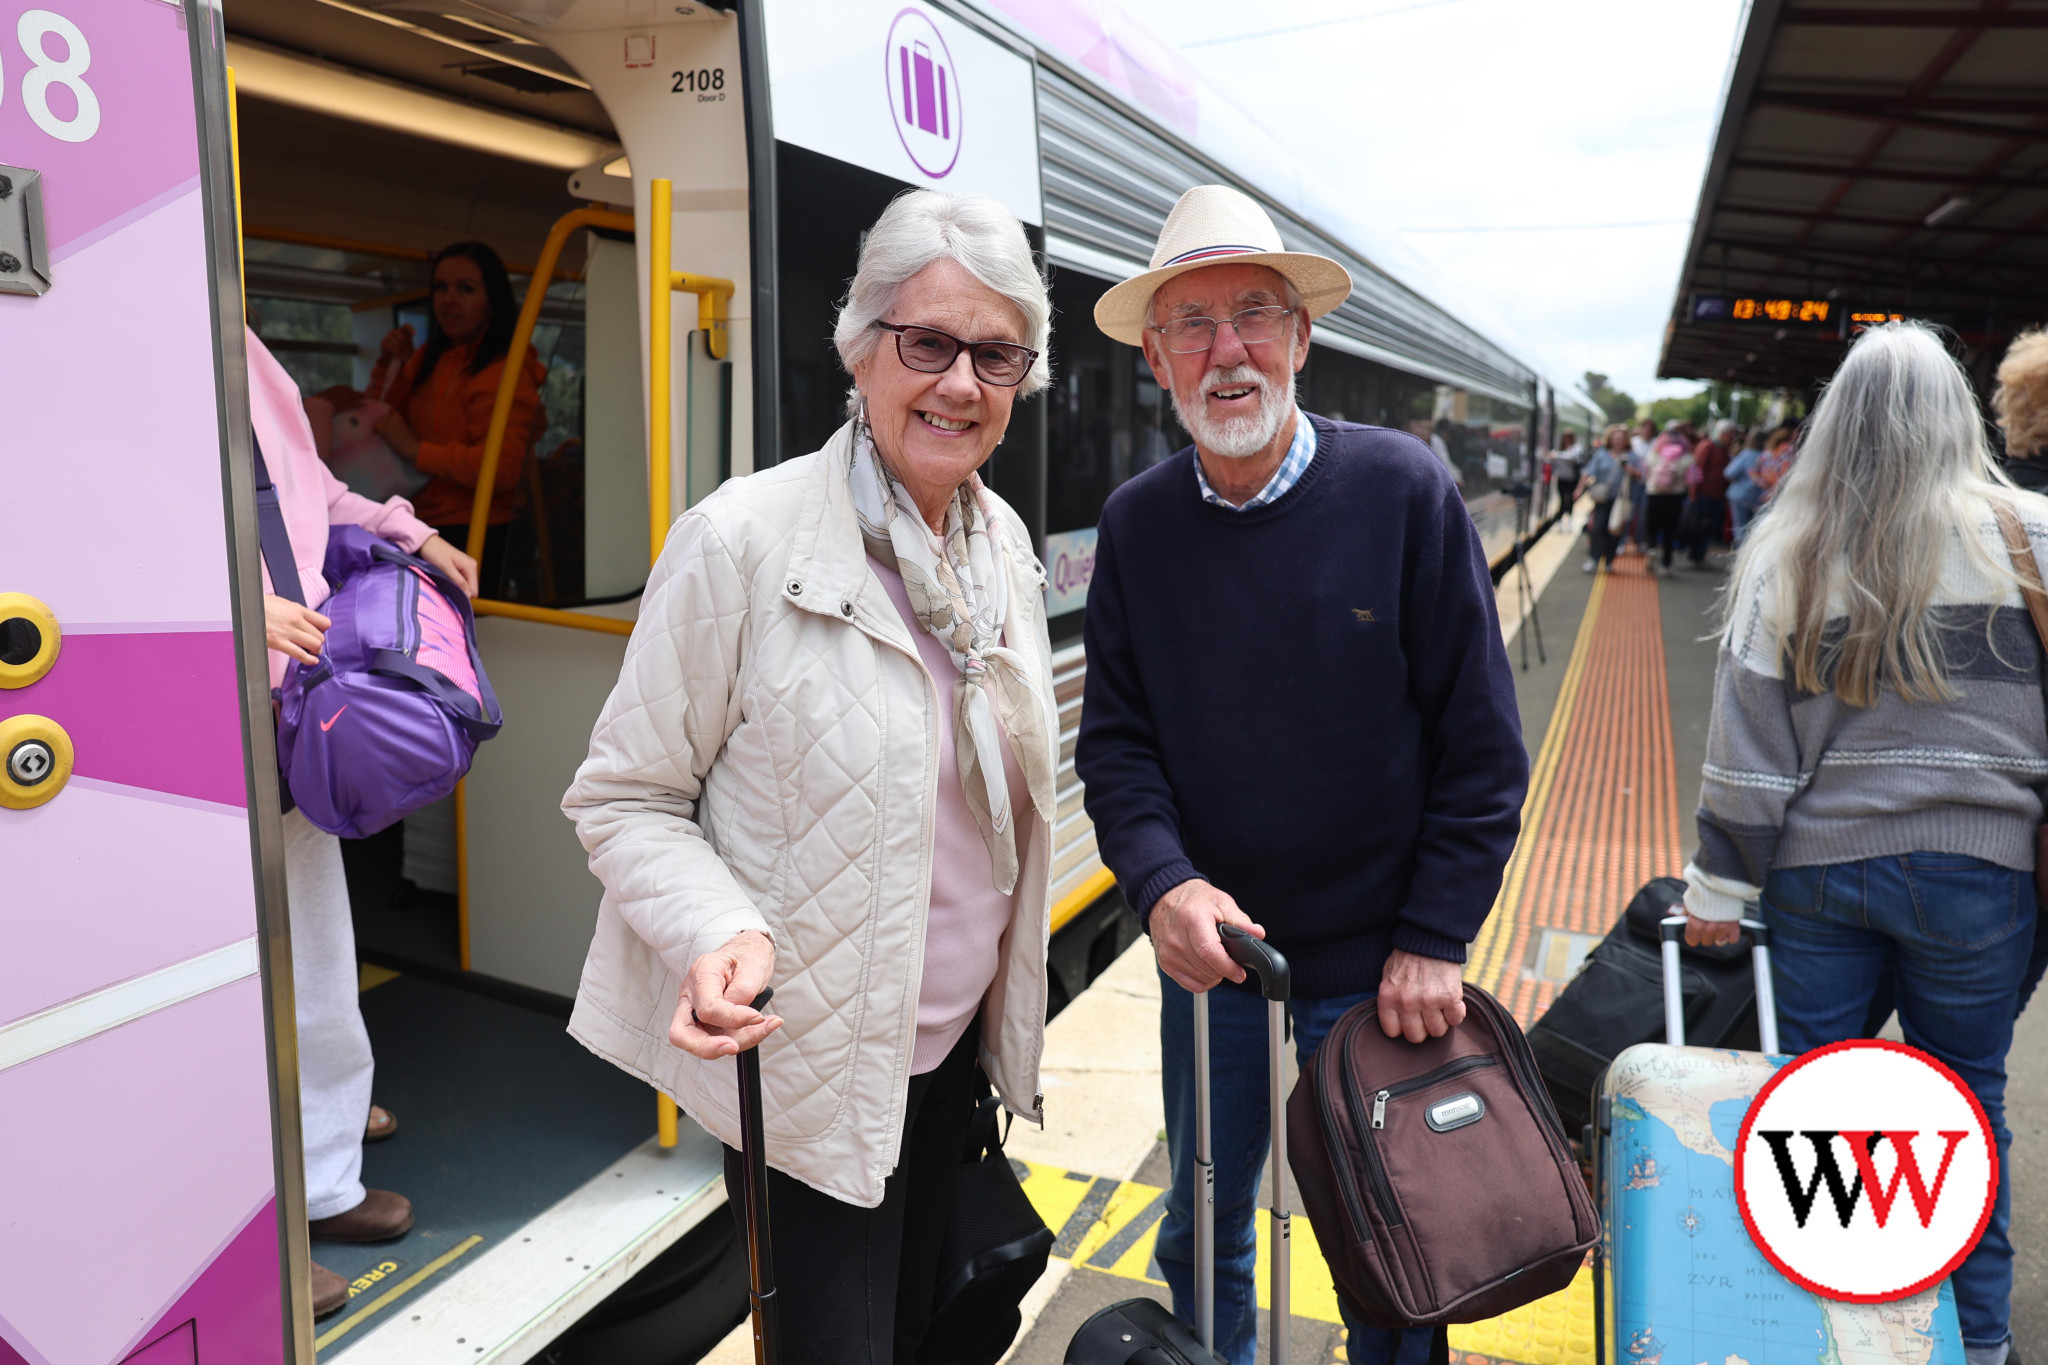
pixel 74 1021
pixel 159 710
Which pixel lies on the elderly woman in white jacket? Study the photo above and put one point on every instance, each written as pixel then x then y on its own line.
pixel 828 766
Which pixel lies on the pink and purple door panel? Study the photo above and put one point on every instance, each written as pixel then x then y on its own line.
pixel 139 1198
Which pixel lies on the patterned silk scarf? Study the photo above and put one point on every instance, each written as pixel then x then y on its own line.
pixel 959 591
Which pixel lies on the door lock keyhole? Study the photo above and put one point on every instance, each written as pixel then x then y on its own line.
pixel 31 762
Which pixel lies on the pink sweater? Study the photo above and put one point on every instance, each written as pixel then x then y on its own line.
pixel 312 498
pixel 963 936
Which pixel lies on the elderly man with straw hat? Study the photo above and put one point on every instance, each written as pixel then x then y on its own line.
pixel 1299 715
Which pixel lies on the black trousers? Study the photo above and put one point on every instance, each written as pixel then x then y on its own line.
pixel 854 1286
pixel 1603 541
pixel 1660 524
pixel 1567 493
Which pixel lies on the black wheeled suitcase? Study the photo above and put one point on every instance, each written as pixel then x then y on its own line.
pixel 1617 1001
pixel 1142 1331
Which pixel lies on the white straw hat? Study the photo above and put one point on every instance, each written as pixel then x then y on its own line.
pixel 1217 225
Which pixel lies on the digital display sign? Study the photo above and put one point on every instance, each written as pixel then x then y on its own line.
pixel 1758 308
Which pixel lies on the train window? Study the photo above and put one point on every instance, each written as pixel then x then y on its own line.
pixel 1107 420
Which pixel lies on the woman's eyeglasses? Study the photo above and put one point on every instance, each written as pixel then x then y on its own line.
pixel 1192 336
pixel 930 351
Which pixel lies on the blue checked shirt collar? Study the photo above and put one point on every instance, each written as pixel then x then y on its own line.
pixel 1285 477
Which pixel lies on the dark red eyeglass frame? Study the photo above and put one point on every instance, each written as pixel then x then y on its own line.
pixel 901 329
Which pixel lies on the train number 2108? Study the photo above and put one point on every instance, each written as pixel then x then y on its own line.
pixel 704 82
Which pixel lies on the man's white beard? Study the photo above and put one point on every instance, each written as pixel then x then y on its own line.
pixel 1236 438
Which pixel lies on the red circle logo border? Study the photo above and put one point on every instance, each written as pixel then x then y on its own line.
pixel 1742 1194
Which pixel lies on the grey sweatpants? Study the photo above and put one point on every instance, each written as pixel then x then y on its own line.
pixel 334 1047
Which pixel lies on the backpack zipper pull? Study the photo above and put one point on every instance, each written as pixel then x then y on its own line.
pixel 1379 1110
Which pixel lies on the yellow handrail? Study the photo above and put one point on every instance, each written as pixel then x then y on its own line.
pixel 515 358
pixel 712 296
pixel 480 509
pixel 548 616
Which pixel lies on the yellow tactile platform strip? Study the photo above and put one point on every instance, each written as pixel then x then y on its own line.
pixel 1601 817
pixel 1111 1225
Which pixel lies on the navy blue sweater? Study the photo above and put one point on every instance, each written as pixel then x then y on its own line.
pixel 1306 704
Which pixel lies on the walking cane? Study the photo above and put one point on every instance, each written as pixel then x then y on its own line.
pixel 754 1146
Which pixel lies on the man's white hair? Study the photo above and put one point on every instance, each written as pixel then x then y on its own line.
pixel 923 226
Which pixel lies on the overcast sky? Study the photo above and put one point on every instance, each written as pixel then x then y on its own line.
pixel 1502 115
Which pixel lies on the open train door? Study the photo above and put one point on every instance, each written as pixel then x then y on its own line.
pixel 151 1207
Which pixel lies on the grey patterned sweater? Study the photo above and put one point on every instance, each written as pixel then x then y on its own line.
pixel 1798 779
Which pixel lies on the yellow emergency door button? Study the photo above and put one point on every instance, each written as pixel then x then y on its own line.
pixel 35 761
pixel 28 639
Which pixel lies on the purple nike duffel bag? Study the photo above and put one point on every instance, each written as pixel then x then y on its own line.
pixel 389 718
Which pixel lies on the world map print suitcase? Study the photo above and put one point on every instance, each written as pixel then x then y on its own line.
pixel 1677 1279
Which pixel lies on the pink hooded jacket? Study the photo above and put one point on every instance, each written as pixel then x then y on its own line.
pixel 312 498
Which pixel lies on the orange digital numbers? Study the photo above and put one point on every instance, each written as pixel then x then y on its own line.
pixel 1813 310
pixel 1744 309
pixel 1778 310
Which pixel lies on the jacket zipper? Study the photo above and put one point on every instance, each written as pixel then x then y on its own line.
pixel 408 613
pixel 1442 1073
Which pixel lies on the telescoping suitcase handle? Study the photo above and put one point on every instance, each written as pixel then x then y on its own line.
pixel 1673 930
pixel 754 1153
pixel 1270 966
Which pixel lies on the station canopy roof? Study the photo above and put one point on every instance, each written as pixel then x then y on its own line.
pixel 1872 160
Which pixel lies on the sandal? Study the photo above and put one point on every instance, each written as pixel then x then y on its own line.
pixel 383 1124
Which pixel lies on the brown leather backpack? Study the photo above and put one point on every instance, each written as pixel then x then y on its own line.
pixel 1436 1175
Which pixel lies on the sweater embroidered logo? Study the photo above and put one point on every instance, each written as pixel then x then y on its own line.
pixel 1364 614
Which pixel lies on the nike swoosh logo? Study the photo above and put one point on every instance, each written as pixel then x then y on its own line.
pixel 328 724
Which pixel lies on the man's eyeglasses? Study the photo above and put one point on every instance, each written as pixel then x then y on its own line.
pixel 1190 336
pixel 930 351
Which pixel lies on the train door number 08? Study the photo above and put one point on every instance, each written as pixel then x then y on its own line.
pixel 33 31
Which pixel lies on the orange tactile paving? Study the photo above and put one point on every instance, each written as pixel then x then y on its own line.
pixel 1602 814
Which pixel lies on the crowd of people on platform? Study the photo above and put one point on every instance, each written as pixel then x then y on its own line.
pixel 1662 490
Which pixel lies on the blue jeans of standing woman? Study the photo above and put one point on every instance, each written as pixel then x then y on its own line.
pixel 1955 934
pixel 1239 1139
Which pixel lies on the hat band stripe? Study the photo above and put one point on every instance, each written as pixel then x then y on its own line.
pixel 1202 252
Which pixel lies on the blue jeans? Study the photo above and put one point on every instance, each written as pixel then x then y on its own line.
pixel 1955 934
pixel 1239 1139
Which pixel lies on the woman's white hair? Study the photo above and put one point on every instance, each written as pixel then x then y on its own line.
pixel 1893 475
pixel 923 226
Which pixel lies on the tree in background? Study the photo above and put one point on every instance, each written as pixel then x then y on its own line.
pixel 1745 407
pixel 1618 406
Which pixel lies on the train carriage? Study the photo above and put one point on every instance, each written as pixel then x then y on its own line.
pixel 618 154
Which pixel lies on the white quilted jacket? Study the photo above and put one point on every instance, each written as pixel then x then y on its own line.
pixel 769 760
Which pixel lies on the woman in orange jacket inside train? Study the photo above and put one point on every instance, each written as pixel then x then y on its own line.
pixel 441 401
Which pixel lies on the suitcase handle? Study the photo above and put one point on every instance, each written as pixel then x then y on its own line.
pixel 1673 930
pixel 1255 955
pixel 1269 964
pixel 754 1150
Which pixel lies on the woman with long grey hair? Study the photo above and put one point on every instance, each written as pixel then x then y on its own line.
pixel 828 767
pixel 1877 744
